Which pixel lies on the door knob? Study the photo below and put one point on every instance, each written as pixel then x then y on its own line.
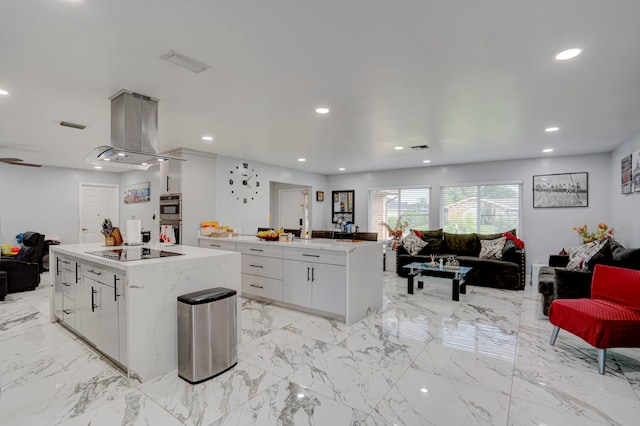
pixel 85 229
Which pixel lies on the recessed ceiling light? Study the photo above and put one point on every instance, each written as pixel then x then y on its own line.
pixel 552 129
pixel 426 161
pixel 547 150
pixel 3 92
pixel 207 138
pixel 423 390
pixel 97 167
pixel 342 169
pixel 322 110
pixel 568 54
pixel 302 160
pixel 398 148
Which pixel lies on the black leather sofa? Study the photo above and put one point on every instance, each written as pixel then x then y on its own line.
pixel 556 281
pixel 508 272
pixel 23 270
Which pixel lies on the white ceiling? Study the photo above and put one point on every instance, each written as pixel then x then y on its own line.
pixel 474 80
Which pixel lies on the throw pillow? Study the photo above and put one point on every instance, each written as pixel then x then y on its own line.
pixel 577 255
pixel 413 244
pixel 492 249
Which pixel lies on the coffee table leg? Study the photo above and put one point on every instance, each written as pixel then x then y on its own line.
pixel 455 295
pixel 410 284
pixel 420 284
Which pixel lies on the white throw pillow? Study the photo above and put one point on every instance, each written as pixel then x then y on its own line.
pixel 492 249
pixel 413 244
pixel 578 255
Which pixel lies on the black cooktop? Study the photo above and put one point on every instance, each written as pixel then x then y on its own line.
pixel 130 254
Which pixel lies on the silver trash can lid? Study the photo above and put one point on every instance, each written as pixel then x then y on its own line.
pixel 206 296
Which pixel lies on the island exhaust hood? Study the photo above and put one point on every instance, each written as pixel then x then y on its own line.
pixel 134 134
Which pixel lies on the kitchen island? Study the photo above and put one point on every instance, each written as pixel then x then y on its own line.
pixel 339 279
pixel 123 300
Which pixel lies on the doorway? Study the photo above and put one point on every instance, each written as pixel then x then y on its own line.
pixel 97 202
pixel 293 209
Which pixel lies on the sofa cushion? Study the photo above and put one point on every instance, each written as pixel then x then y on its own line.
pixel 625 257
pixel 492 249
pixel 434 240
pixel 577 255
pixel 413 244
pixel 461 244
pixel 602 256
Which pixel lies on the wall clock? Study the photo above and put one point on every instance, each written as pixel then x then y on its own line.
pixel 244 182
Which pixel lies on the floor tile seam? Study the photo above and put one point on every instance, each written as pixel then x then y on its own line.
pixel 159 404
pixel 515 399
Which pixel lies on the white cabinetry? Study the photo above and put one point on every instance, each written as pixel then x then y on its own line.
pixel 316 285
pixel 217 244
pixel 104 310
pixel 261 270
pixel 171 177
pixel 66 281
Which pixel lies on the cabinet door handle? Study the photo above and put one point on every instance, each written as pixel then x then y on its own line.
pixel 93 303
pixel 115 288
pixel 57 265
pixel 77 275
pixel 256 286
pixel 215 245
pixel 313 274
pixel 257 266
pixel 310 255
pixel 253 249
pixel 167 183
pixel 66 285
pixel 308 273
pixel 94 272
pixel 67 311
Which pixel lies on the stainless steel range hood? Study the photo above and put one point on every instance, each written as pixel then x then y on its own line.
pixel 134 134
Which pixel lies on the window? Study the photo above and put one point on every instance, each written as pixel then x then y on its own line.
pixel 386 205
pixel 485 209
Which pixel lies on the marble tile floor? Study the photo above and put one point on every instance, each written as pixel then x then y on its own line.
pixel 422 359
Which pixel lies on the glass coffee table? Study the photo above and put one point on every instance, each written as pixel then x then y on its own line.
pixel 456 274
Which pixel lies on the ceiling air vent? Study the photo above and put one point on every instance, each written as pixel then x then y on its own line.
pixel 184 61
pixel 420 147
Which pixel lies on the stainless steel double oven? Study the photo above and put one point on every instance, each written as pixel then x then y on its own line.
pixel 171 213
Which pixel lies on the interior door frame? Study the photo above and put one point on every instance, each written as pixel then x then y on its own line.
pixel 116 199
pixel 305 191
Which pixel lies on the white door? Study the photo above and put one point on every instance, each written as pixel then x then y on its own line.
pixel 291 209
pixel 97 203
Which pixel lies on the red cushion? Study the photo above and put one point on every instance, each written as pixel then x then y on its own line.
pixel 600 323
pixel 620 285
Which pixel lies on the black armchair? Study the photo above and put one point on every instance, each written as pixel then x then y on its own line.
pixel 23 270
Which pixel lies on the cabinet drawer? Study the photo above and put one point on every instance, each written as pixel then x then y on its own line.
pixel 68 265
pixel 218 245
pixel 69 290
pixel 261 286
pixel 260 250
pixel 269 267
pixel 97 273
pixel 317 256
pixel 69 315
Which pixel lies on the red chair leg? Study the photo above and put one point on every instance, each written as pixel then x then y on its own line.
pixel 554 335
pixel 602 355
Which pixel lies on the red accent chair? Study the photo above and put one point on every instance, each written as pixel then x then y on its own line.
pixel 609 319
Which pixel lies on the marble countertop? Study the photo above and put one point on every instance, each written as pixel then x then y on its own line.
pixel 188 253
pixel 315 243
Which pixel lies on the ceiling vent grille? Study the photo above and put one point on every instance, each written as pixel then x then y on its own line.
pixel 184 61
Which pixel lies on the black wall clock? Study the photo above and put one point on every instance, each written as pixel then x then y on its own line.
pixel 244 182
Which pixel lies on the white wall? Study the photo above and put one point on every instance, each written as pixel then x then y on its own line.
pixel 624 207
pixel 144 211
pixel 248 217
pixel 44 200
pixel 545 231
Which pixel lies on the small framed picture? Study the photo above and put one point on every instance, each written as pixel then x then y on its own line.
pixel 319 195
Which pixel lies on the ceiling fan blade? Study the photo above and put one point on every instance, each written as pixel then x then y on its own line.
pixel 16 163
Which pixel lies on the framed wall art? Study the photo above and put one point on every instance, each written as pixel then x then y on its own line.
pixel 626 179
pixel 561 190
pixel 137 192
pixel 319 195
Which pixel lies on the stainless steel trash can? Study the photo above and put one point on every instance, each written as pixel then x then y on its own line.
pixel 207 334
